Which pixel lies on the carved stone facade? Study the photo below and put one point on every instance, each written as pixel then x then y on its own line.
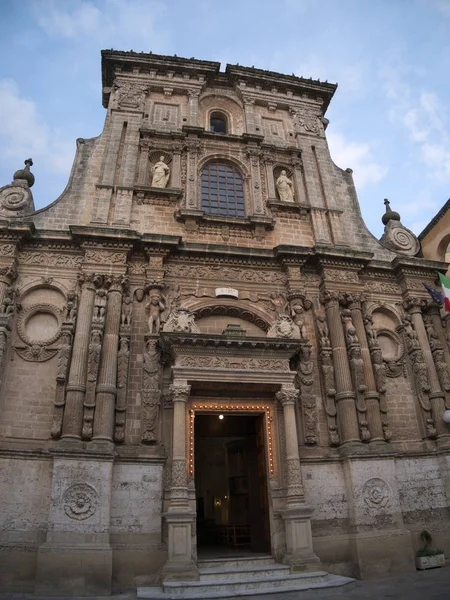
pixel 139 301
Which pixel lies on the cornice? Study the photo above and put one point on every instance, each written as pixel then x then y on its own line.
pixel 437 217
pixel 201 343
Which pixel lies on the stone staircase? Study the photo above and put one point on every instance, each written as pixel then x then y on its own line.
pixel 225 578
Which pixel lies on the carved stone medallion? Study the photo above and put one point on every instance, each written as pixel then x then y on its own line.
pixel 376 493
pixel 80 501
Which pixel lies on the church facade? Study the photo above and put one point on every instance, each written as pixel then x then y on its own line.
pixel 203 349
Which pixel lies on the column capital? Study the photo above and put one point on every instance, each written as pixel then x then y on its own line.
pixel 8 274
pixel 330 298
pixel 179 391
pixel 287 395
pixel 414 305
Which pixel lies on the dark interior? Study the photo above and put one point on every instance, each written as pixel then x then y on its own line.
pixel 231 483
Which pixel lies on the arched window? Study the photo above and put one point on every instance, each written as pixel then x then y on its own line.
pixel 222 190
pixel 218 122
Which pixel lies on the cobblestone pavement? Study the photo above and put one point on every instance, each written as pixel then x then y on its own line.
pixel 433 584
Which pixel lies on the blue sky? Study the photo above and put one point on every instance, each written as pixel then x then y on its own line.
pixel 389 119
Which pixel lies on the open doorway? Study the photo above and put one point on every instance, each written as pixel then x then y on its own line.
pixel 231 484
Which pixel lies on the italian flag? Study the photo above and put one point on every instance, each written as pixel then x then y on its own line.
pixel 445 282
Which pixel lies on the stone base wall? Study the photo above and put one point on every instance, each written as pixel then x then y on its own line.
pixel 368 516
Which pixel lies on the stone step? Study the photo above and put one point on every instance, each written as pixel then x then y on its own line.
pixel 246 586
pixel 236 562
pixel 223 571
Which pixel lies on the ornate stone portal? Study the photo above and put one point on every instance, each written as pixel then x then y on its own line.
pixel 186 273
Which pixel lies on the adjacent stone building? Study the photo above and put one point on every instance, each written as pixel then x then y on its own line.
pixel 203 347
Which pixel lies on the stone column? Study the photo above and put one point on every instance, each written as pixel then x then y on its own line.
pixel 193 107
pixel 296 514
pixel 300 196
pixel 176 166
pixel 345 396
pixel 268 161
pixel 249 116
pixel 372 397
pixel 106 385
pixel 179 516
pixel 192 201
pixel 255 180
pixel 437 395
pixel 288 397
pixel 142 175
pixel 76 386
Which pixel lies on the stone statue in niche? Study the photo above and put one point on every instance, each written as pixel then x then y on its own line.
pixel 161 173
pixel 285 188
pixel 154 307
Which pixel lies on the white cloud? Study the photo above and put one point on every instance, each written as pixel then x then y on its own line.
pixel 119 23
pixel 358 156
pixel 423 118
pixel 24 133
pixel 443 6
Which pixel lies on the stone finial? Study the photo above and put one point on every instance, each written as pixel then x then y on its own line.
pixel 397 237
pixel 389 215
pixel 25 174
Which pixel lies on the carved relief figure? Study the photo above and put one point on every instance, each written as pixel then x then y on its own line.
pixel 285 188
pixel 433 338
pixel 181 320
pixel 161 173
pixel 99 306
pixel 63 356
pixel 123 359
pixel 379 369
pixel 442 369
pixel 370 331
pixel 95 347
pixel 357 369
pixel 285 327
pixel 410 334
pixel 71 306
pixel 324 334
pixel 127 309
pixel 154 307
pixel 9 301
pixel 305 381
pixel 297 313
pixel 330 402
pixel 422 382
pixel 151 392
